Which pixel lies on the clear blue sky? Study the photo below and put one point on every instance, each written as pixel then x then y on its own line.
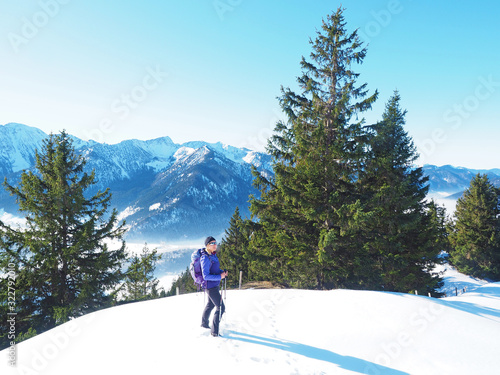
pixel 211 70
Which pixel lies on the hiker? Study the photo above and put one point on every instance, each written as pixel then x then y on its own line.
pixel 212 275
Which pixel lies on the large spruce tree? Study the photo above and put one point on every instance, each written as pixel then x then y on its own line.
pixel 63 263
pixel 309 214
pixel 475 233
pixel 405 236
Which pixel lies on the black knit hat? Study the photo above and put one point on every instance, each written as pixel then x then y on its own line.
pixel 209 239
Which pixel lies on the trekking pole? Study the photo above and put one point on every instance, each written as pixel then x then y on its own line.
pixel 222 291
pixel 220 307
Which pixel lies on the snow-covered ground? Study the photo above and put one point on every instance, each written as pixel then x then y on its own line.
pixel 456 283
pixel 279 332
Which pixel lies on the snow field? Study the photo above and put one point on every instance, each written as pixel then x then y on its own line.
pixel 278 332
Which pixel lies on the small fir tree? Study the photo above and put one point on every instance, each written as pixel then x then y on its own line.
pixel 185 284
pixel 233 253
pixel 475 233
pixel 140 282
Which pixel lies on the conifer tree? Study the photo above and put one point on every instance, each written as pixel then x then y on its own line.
pixel 233 253
pixel 475 234
pixel 140 282
pixel 405 240
pixel 64 264
pixel 185 284
pixel 309 214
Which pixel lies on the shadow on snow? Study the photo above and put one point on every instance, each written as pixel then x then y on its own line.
pixel 346 362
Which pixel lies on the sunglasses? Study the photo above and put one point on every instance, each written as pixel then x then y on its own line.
pixel 212 243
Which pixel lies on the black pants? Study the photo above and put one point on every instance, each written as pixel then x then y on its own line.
pixel 214 300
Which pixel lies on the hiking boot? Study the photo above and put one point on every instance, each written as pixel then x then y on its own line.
pixel 215 334
pixel 205 326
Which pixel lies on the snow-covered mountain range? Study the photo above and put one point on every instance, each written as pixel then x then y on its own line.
pixel 164 191
pixel 168 191
pixel 452 180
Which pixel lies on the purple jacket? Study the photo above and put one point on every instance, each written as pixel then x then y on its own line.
pixel 210 267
